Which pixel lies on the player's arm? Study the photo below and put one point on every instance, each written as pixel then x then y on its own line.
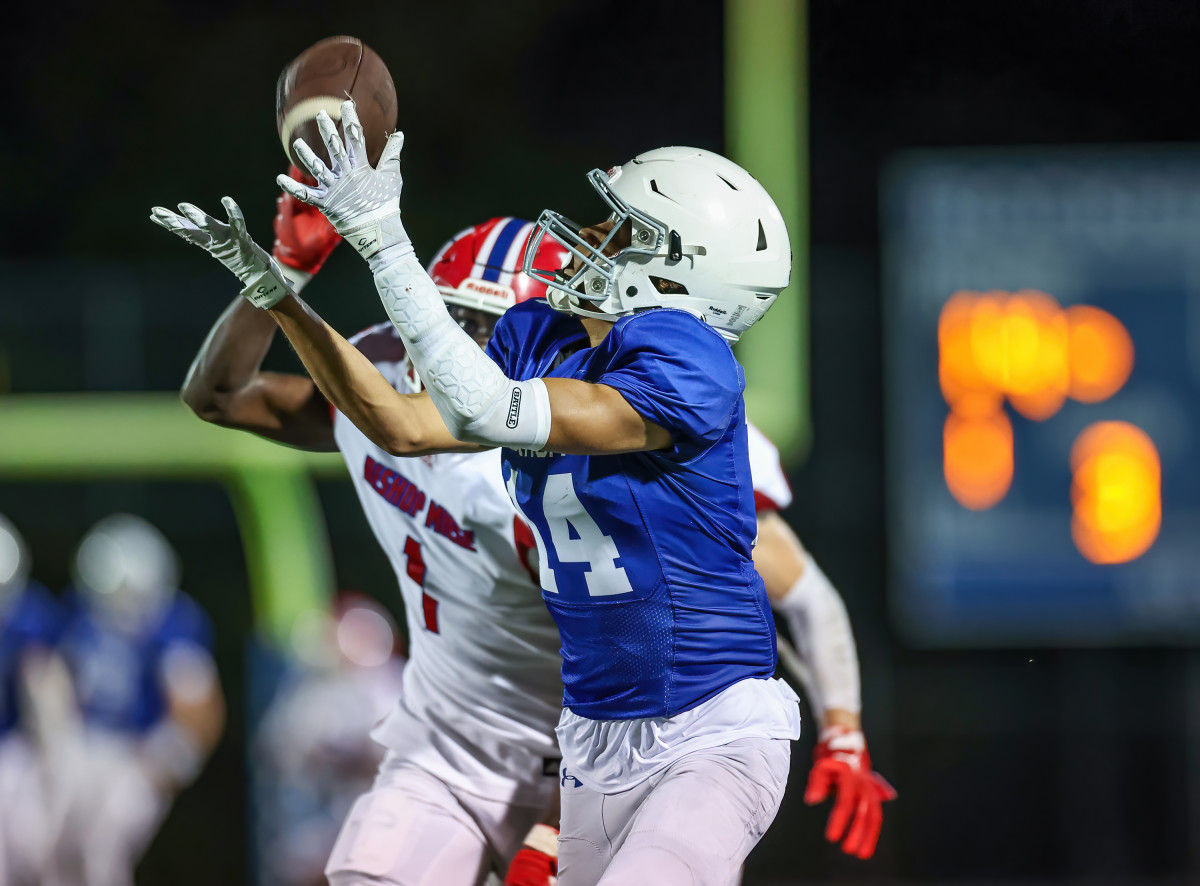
pixel 478 404
pixel 817 618
pixel 226 385
pixel 401 424
pixel 176 748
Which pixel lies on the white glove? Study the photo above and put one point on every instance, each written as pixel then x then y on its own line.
pixel 263 280
pixel 476 401
pixel 362 203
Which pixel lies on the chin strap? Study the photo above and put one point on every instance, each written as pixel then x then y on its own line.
pixel 475 399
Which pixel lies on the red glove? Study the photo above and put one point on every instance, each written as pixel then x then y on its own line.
pixel 536 864
pixel 303 237
pixel 841 763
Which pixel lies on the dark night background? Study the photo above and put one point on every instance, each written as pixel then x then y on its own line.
pixel 1012 765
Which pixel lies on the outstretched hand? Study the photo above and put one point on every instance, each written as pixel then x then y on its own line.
pixel 232 245
pixel 841 765
pixel 362 203
pixel 303 237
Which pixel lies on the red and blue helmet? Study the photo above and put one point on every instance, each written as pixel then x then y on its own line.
pixel 480 267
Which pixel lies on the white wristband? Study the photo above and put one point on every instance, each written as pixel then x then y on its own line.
pixel 265 290
pixel 544 839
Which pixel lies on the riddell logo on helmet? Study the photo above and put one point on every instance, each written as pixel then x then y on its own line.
pixel 483 287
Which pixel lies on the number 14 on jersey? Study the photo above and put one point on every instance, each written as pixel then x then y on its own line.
pixel 574 538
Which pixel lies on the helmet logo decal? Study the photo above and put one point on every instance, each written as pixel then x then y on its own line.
pixel 474 284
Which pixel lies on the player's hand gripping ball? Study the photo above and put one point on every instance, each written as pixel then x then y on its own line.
pixel 304 238
pixel 842 765
pixel 361 201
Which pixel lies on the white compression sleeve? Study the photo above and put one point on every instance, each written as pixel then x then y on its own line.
pixel 475 399
pixel 820 627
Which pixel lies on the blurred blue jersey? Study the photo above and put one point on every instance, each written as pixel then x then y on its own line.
pixel 31 620
pixel 645 557
pixel 117 673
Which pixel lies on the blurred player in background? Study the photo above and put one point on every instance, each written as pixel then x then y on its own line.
pixel 140 657
pixel 313 755
pixel 35 705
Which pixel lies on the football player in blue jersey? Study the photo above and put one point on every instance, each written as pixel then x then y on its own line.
pixel 618 406
pixel 139 654
pixel 32 704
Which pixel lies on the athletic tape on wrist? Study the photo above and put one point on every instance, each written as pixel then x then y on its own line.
pixel 544 839
pixel 296 278
pixel 378 234
pixel 265 290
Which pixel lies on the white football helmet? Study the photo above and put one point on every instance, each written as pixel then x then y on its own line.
pixel 706 238
pixel 14 561
pixel 126 569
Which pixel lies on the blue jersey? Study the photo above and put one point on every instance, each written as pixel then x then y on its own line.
pixel 645 557
pixel 117 673
pixel 31 620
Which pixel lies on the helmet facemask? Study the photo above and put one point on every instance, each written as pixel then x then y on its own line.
pixel 594 290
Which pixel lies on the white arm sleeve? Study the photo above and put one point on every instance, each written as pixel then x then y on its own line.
pixel 820 627
pixel 475 399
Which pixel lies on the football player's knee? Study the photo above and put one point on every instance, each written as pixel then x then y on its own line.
pixel 638 865
pixel 345 877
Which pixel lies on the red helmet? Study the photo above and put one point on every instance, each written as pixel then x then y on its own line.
pixel 480 267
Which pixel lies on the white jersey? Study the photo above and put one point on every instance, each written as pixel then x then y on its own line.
pixel 482 690
pixel 772 492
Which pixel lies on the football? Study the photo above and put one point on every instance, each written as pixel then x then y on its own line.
pixel 320 79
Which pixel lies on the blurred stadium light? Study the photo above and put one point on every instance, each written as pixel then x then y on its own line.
pixel 86 437
pixel 766 130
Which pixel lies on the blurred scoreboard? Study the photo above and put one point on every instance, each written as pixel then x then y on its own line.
pixel 1042 359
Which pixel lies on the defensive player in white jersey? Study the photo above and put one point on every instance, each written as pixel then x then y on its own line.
pixel 472 761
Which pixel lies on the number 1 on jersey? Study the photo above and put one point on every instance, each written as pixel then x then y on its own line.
pixel 416 571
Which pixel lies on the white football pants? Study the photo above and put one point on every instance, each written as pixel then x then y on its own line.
pixel 693 824
pixel 412 829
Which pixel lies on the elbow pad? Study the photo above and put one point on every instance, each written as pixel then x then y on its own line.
pixel 478 403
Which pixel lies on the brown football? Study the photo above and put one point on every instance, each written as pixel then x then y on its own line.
pixel 320 79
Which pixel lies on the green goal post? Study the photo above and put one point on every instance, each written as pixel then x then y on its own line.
pixel 86 437
pixel 766 131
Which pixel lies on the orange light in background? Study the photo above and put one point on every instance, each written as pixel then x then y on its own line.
pixel 1101 354
pixel 963 384
pixel 1036 375
pixel 996 344
pixel 977 458
pixel 1116 492
pixel 1024 347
